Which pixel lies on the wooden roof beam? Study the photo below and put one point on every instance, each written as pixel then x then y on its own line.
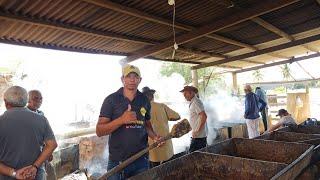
pixel 140 14
pixel 172 60
pixel 236 18
pixel 201 53
pixel 284 82
pixel 260 52
pixel 272 28
pixel 231 41
pixel 252 62
pixel 278 31
pixel 279 63
pixel 230 67
pixel 234 67
pixel 209 55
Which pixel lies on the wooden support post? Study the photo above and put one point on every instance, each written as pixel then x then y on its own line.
pixel 194 75
pixel 234 84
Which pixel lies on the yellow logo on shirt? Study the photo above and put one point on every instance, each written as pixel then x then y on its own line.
pixel 143 111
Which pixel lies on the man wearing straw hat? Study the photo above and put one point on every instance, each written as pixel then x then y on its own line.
pixel 198 118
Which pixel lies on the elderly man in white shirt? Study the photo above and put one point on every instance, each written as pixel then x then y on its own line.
pixel 198 118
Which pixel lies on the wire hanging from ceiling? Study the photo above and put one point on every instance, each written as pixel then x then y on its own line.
pixel 175 45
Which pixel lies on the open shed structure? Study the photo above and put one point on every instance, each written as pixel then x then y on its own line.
pixel 238 35
pixel 233 34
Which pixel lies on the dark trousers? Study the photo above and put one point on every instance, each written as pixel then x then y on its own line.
pixel 197 143
pixel 264 118
pixel 138 166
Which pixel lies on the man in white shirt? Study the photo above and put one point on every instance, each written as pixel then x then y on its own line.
pixel 285 120
pixel 198 118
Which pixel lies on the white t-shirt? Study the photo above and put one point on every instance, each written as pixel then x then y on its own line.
pixel 196 107
pixel 287 120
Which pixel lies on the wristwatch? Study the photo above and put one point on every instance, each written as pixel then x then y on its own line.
pixel 14 174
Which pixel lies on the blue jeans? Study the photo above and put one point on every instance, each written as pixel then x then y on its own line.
pixel 138 166
pixel 41 174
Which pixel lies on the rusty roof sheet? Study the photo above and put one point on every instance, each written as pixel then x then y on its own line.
pixel 91 26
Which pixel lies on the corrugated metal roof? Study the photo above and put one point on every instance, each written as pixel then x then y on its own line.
pixel 78 25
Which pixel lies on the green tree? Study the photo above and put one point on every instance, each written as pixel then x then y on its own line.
pixel 257 75
pixel 286 72
pixel 207 85
pixel 167 69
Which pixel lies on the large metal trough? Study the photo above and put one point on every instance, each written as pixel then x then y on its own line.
pixel 237 158
pixel 273 151
pixel 203 166
pixel 292 137
pixel 302 129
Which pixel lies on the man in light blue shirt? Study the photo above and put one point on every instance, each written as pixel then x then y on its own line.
pixel 264 111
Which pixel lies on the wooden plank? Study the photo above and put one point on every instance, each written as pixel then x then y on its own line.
pixel 229 67
pixel 272 28
pixel 260 52
pixel 202 53
pixel 280 63
pixel 231 41
pixel 236 18
pixel 278 31
pixel 285 82
pixel 172 60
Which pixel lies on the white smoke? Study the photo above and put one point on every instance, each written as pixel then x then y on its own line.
pixel 222 108
pixel 99 164
pixel 225 108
